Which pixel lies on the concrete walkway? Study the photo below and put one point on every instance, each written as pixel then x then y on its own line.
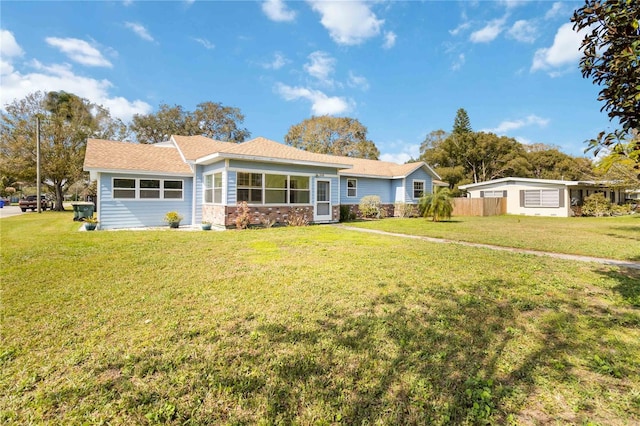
pixel 574 257
pixel 8 211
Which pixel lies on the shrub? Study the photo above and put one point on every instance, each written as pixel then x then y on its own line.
pixel 405 210
pixel 346 214
pixel 242 216
pixel 297 217
pixel 370 207
pixel 596 205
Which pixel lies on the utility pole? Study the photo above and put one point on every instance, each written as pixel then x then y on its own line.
pixel 38 164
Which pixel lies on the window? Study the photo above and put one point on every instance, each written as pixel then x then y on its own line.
pixel 213 188
pixel 258 188
pixel 147 189
pixel 541 198
pixel 275 189
pixel 493 194
pixel 352 187
pixel 172 189
pixel 418 188
pixel 299 192
pixel 124 188
pixel 250 187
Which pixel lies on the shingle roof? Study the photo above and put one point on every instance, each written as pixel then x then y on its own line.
pixel 194 147
pixel 111 155
pixel 102 154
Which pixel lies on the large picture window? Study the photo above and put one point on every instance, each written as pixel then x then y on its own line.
pixel 266 188
pixel 147 189
pixel 542 198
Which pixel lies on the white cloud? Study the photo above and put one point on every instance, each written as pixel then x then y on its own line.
pixel 277 11
pixel 79 51
pixel 279 60
pixel 9 47
pixel 17 85
pixel 524 31
pixel 321 104
pixel 350 22
pixel 557 9
pixel 358 81
pixel 462 27
pixel 489 32
pixel 389 40
pixel 458 63
pixel 563 52
pixel 511 4
pixel 406 153
pixel 206 43
pixel 321 66
pixel 508 125
pixel 139 29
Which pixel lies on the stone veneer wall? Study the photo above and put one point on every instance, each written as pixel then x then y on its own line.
pixel 226 215
pixel 214 214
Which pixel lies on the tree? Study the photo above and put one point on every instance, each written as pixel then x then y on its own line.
pixel 437 205
pixel 462 124
pixel 611 57
pixel 332 135
pixel 66 122
pixel 546 162
pixel 220 122
pixel 210 119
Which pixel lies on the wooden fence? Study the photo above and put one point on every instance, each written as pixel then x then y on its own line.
pixel 479 206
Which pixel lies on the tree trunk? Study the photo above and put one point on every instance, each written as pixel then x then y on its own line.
pixel 59 197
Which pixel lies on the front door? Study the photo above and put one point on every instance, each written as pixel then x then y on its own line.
pixel 322 212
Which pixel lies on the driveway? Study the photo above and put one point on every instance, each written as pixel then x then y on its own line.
pixel 8 211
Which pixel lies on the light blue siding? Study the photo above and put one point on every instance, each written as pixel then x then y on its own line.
pixel 140 213
pixel 232 194
pixel 367 186
pixel 199 188
pixel 419 174
pixel 397 190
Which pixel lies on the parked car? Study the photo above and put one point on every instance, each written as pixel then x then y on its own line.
pixel 30 203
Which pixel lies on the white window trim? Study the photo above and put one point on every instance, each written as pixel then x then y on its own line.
pixel 213 180
pixel 264 188
pixel 137 188
pixel 355 187
pixel 413 187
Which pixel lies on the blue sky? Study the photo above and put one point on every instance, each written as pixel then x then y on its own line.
pixel 403 68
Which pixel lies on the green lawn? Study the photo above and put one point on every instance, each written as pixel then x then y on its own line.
pixel 315 325
pixel 607 237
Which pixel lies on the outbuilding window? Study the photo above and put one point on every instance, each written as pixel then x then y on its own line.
pixel 542 198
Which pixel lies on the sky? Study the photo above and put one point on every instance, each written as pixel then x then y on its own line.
pixel 402 68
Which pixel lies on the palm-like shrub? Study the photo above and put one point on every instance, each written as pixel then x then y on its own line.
pixel 437 205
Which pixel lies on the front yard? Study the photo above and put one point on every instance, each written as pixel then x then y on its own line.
pixel 314 325
pixel 606 237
